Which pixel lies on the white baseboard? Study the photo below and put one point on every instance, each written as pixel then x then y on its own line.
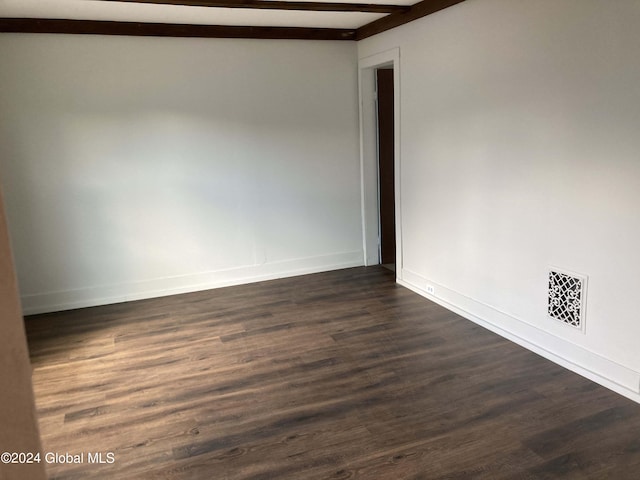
pixel 159 287
pixel 593 366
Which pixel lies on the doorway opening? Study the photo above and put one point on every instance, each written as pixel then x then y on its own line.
pixel 386 167
pixel 379 92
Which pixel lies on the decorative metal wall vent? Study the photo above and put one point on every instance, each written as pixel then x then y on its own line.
pixel 567 297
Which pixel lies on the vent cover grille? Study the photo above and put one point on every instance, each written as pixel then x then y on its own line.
pixel 567 297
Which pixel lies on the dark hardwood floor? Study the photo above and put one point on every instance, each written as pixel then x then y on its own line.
pixel 338 375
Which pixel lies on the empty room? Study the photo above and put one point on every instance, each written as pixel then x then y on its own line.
pixel 278 239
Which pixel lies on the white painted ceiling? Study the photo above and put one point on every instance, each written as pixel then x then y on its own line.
pixel 155 13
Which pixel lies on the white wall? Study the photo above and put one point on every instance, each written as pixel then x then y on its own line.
pixel 519 151
pixel 135 167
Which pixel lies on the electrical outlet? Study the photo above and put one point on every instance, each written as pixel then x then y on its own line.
pixel 431 290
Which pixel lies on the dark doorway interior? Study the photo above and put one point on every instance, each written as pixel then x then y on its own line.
pixel 384 88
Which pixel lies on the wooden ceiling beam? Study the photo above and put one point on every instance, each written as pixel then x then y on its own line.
pixel 280 5
pixel 419 10
pixel 101 27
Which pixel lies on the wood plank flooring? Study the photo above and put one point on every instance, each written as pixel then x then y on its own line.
pixel 338 375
